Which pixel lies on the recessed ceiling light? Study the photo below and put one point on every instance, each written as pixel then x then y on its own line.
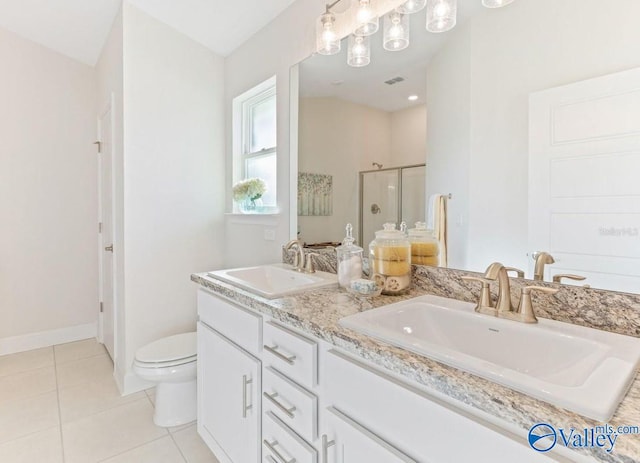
pixel 413 98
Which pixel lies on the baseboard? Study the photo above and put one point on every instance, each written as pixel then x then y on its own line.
pixel 132 383
pixel 15 344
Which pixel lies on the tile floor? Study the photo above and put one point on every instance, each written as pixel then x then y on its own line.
pixel 61 405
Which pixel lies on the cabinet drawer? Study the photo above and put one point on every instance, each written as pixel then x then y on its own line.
pixel 291 354
pixel 280 444
pixel 295 406
pixel 236 323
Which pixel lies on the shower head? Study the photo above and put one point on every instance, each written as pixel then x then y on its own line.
pixel 375 164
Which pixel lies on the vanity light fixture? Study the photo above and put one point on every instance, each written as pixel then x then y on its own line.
pixel 327 40
pixel 496 3
pixel 441 15
pixel 396 31
pixel 366 19
pixel 359 52
pixel 413 98
pixel 411 6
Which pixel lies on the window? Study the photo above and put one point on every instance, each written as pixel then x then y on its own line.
pixel 255 144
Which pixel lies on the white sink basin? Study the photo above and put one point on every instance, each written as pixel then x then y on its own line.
pixel 275 280
pixel 581 369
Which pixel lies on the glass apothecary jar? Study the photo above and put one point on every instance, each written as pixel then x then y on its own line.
pixel 349 260
pixel 390 260
pixel 425 249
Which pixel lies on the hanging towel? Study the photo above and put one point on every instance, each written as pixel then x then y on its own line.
pixel 437 221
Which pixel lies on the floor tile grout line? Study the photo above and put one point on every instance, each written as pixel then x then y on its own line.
pixel 28 435
pixel 55 367
pixel 104 411
pixel 132 448
pixel 65 362
pixel 173 439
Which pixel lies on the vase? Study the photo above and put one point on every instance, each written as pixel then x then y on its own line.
pixel 250 206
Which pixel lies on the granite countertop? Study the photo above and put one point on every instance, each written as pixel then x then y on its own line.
pixel 317 313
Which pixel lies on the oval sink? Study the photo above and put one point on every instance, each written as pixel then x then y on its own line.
pixel 581 369
pixel 275 280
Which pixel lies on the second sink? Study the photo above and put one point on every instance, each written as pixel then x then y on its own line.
pixel 584 370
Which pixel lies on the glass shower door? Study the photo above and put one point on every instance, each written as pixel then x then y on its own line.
pixel 380 201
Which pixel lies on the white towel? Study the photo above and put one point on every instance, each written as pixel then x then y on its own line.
pixel 437 223
pixel 432 210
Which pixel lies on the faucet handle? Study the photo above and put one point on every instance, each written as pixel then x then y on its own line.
pixel 484 302
pixel 558 278
pixel 517 271
pixel 309 266
pixel 525 312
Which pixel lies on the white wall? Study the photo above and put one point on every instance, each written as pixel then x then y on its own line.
pixel 173 177
pixel 48 192
pixel 409 136
pixel 515 51
pixel 284 42
pixel 109 75
pixel 339 138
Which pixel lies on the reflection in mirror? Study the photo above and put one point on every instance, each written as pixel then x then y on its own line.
pixel 476 83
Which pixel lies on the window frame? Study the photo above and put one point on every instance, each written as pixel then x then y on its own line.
pixel 242 106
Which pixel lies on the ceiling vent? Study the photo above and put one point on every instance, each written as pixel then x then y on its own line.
pixel 394 81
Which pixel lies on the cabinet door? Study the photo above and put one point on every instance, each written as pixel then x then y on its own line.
pixel 228 396
pixel 347 441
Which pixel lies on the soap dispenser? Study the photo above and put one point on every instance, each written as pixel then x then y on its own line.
pixel 349 260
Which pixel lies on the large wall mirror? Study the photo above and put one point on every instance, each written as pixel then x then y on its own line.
pixel 527 115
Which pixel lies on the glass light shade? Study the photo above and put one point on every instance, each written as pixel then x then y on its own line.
pixel 359 52
pixel 496 3
pixel 396 31
pixel 367 23
pixel 441 15
pixel 327 41
pixel 412 6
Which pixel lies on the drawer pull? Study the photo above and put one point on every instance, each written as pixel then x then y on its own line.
pixel 272 399
pixel 272 446
pixel 274 351
pixel 326 443
pixel 245 408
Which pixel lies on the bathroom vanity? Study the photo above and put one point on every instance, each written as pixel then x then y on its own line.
pixel 280 381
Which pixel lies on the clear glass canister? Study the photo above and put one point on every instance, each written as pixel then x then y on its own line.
pixel 390 260
pixel 349 260
pixel 425 248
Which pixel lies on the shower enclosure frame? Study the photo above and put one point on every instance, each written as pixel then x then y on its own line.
pixel 361 175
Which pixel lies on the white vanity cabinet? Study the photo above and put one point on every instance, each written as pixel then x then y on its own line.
pixel 229 388
pixel 273 394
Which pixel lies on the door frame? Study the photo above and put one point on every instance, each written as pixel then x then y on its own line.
pixel 108 107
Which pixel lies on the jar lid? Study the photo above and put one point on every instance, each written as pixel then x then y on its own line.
pixel 389 232
pixel 421 232
pixel 347 242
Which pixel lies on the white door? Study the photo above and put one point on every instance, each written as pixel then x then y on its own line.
pixel 229 396
pixel 584 193
pixel 349 442
pixel 106 231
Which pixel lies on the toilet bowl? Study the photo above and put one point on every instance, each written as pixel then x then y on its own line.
pixel 170 363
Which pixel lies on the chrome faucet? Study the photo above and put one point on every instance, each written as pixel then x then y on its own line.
pixel 299 259
pixel 542 259
pixel 497 271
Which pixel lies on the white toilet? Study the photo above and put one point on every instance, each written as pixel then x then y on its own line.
pixel 171 363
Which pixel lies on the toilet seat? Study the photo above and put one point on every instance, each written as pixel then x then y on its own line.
pixel 170 351
pixel 174 363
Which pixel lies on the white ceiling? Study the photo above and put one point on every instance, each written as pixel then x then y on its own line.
pixel 79 28
pixel 76 28
pixel 220 25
